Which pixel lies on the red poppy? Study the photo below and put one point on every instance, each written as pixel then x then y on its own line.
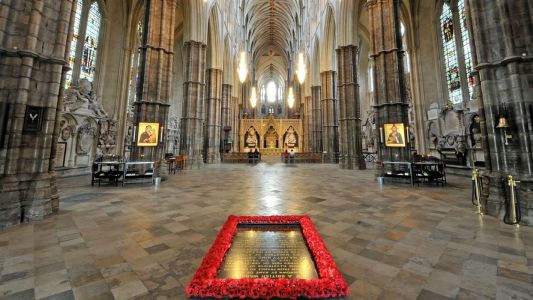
pixel 205 284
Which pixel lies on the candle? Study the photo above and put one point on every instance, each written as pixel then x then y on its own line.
pixel 381 134
pixel 407 134
pixel 134 134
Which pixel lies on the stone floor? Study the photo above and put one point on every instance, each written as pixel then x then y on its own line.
pixel 391 242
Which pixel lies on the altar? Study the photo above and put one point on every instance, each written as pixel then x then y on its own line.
pixel 271 135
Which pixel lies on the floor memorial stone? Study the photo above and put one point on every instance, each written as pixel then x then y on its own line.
pixel 268 257
pixel 271 251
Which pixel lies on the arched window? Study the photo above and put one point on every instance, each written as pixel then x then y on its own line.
pixel 370 77
pixel 83 52
pixel 263 94
pixel 406 59
pixel 456 51
pixel 135 65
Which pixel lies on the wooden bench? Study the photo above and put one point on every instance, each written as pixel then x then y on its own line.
pixel 235 157
pixel 302 157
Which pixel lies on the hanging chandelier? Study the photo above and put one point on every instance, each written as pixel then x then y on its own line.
pixel 290 97
pixel 253 97
pixel 301 68
pixel 243 67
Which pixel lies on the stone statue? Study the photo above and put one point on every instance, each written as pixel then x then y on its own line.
pixel 251 137
pixel 107 138
pixel 370 132
pixel 475 132
pixel 83 97
pixel 291 137
pixel 460 146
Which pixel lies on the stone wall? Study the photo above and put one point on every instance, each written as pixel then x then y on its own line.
pixel 32 61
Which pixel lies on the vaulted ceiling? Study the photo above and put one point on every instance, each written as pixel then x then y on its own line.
pixel 272 30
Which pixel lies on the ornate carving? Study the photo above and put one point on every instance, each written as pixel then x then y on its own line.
pixel 107 138
pixel 82 97
pixel 85 139
pixel 369 132
pixel 251 138
pixel 291 138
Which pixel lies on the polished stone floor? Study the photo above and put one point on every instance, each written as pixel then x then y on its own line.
pixel 390 242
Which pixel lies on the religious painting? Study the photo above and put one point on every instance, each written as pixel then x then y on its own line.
pixel 148 135
pixel 394 135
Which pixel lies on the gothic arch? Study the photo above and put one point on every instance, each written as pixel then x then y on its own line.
pixel 228 70
pixel 348 22
pixel 315 63
pixel 328 61
pixel 215 57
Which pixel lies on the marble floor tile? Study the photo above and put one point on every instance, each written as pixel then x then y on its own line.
pixel 144 242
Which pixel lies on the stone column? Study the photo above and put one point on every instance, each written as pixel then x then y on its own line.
pixel 235 117
pixel 192 135
pixel 330 137
pixel 154 89
pixel 391 103
pixel 505 64
pixel 351 148
pixel 308 117
pixel 227 104
pixel 213 116
pixel 33 61
pixel 317 118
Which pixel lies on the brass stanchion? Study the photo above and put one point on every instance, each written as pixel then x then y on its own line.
pixel 476 192
pixel 513 214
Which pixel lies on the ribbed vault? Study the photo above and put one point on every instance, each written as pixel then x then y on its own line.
pixel 271 30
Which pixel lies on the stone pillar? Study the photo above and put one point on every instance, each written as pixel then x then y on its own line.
pixel 308 118
pixel 505 64
pixel 33 62
pixel 317 118
pixel 330 137
pixel 154 89
pixel 351 144
pixel 236 118
pixel 213 116
pixel 227 104
pixel 391 103
pixel 192 122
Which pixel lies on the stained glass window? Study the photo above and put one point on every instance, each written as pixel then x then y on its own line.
pixel 371 79
pixel 457 51
pixel 90 47
pixel 84 47
pixel 135 67
pixel 406 59
pixel 465 37
pixel 74 43
pixel 451 61
pixel 263 94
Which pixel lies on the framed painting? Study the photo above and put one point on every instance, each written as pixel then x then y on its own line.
pixel 394 135
pixel 148 134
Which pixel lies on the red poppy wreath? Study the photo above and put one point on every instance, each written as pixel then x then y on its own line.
pixel 329 283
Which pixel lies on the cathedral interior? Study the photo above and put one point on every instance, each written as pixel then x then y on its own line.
pixel 131 129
